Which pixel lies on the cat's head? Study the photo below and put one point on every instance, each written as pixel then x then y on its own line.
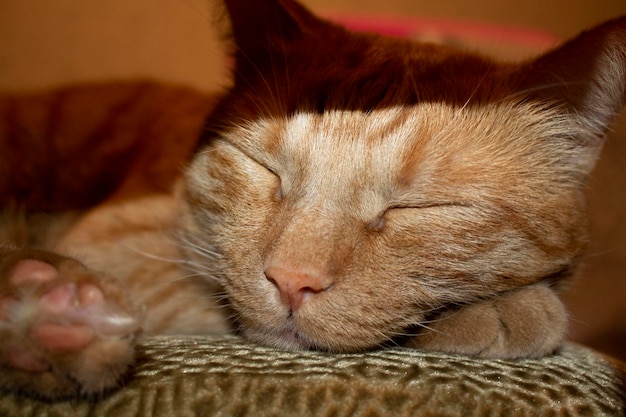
pixel 350 184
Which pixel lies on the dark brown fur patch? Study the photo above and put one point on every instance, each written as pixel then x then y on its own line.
pixel 73 148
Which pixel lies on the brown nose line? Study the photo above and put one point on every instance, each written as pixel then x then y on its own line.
pixel 295 286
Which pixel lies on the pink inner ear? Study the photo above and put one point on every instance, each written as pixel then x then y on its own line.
pixel 415 28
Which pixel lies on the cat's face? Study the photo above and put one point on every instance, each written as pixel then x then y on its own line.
pixel 346 193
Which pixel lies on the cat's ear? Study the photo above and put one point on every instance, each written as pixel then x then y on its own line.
pixel 587 75
pixel 261 29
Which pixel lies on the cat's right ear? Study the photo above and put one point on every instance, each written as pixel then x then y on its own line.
pixel 262 29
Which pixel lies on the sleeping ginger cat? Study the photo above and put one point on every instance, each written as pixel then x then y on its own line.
pixel 350 191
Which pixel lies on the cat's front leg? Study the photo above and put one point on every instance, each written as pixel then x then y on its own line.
pixel 527 322
pixel 64 330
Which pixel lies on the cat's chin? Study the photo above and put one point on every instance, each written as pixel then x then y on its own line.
pixel 286 337
pixel 302 333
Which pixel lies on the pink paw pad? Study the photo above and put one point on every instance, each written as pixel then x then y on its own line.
pixel 31 270
pixel 25 271
pixel 68 306
pixel 68 298
pixel 60 337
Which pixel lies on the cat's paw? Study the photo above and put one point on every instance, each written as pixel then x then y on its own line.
pixel 528 322
pixel 64 330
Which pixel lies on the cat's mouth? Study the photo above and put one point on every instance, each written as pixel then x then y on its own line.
pixel 291 334
pixel 292 338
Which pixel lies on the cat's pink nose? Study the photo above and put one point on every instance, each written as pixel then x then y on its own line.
pixel 296 286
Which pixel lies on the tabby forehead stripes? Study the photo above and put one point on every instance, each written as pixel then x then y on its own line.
pixel 389 151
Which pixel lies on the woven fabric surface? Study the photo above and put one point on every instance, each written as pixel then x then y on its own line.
pixel 227 376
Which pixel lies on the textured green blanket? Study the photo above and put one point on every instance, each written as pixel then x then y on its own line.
pixel 230 377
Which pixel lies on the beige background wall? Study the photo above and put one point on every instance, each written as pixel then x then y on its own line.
pixel 45 42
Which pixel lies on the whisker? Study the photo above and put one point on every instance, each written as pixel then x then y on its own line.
pixel 154 256
pixel 196 246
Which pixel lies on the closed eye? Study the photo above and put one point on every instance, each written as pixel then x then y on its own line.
pixel 278 193
pixel 429 205
pixel 380 222
pixel 258 171
pixel 276 181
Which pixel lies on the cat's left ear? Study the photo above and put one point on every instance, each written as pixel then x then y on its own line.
pixel 587 75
